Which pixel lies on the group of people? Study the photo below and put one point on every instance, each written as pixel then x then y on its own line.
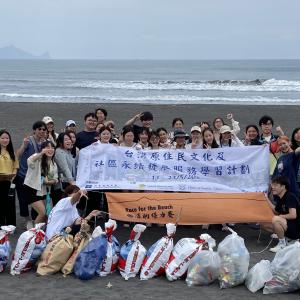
pixel 44 166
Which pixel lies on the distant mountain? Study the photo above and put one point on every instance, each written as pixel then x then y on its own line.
pixel 11 52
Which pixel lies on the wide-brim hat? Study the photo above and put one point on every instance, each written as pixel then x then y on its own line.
pixel 180 133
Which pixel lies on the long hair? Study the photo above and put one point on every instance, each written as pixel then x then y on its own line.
pixel 214 142
pixel 221 143
pixel 293 141
pixel 44 162
pixel 9 148
pixel 60 140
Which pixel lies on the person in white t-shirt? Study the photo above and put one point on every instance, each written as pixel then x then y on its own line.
pixel 65 213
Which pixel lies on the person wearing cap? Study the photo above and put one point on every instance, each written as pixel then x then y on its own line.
pixel 179 139
pixel 71 125
pixel 146 119
pixel 228 138
pixel 196 137
pixel 52 135
pixel 219 122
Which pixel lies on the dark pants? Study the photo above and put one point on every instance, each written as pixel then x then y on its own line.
pixel 8 205
pixel 23 204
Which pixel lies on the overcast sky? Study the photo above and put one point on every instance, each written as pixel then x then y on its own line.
pixel 153 29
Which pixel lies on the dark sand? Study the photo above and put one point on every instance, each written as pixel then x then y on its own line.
pixel 18 119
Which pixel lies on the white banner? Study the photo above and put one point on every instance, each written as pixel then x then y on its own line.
pixel 236 169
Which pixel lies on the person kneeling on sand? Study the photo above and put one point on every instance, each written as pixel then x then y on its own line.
pixel 286 222
pixel 64 213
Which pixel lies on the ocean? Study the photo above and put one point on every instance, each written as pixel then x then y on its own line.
pixel 151 81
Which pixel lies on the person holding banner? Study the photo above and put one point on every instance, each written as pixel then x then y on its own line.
pixel 128 137
pixel 143 141
pixel 286 222
pixel 196 138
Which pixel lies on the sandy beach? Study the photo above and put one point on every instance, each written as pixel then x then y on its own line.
pixel 18 119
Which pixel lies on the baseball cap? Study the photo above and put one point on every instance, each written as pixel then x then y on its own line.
pixel 47 120
pixel 70 122
pixel 196 128
pixel 225 128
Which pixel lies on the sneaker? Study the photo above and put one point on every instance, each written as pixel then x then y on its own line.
pixel 205 227
pixel 29 224
pixel 278 247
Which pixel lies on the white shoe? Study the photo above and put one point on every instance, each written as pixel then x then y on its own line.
pixel 148 225
pixel 205 227
pixel 278 247
pixel 29 224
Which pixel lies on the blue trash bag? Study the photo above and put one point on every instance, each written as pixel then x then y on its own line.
pixel 90 258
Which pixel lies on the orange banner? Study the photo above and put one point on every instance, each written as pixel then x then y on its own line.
pixel 189 208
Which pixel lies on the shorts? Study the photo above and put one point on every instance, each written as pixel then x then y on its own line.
pixel 293 230
pixel 30 195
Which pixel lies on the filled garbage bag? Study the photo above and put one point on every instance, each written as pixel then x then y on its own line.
pixel 285 269
pixel 258 275
pixel 81 239
pixel 111 259
pixel 204 268
pixel 158 255
pixel 90 258
pixel 132 253
pixel 5 248
pixel 234 260
pixel 183 252
pixel 30 246
pixel 56 254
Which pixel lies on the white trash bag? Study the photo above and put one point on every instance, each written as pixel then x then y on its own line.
pixel 285 268
pixel 234 260
pixel 183 252
pixel 258 276
pixel 204 268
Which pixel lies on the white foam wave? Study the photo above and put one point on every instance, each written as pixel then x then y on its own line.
pixel 270 85
pixel 159 99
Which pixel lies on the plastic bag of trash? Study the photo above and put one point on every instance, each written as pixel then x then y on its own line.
pixel 285 269
pixel 234 260
pixel 183 252
pixel 90 258
pixel 132 253
pixel 111 259
pixel 258 276
pixel 5 245
pixel 204 268
pixel 30 246
pixel 158 255
pixel 56 254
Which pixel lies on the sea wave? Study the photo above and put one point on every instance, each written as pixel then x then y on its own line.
pixel 258 85
pixel 154 99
